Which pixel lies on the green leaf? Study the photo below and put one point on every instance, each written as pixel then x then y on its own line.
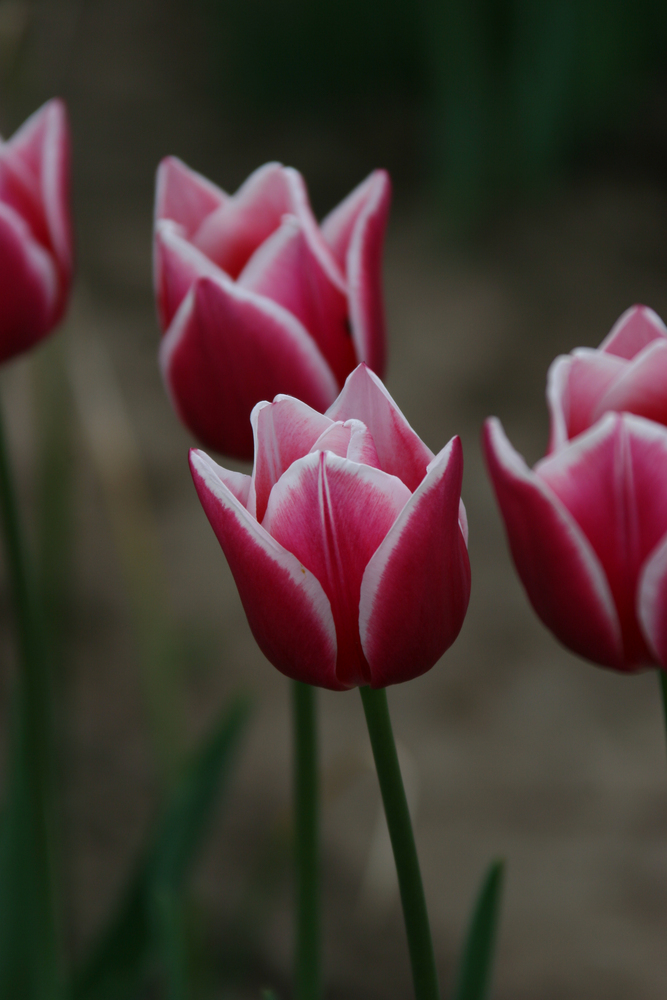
pixel 476 965
pixel 149 914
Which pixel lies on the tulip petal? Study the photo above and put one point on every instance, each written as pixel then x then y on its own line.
pixel 287 609
pixel 636 328
pixel 28 286
pixel 286 269
pixel 284 431
pixel 227 348
pixel 556 563
pixel 641 387
pixel 333 514
pixel 364 276
pixel 233 232
pixel 184 196
pixel 401 452
pixel 575 384
pixel 652 602
pixel 177 265
pixel 612 480
pixel 416 586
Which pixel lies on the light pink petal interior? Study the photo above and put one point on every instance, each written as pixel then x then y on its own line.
pixel 636 328
pixel 641 387
pixel 184 196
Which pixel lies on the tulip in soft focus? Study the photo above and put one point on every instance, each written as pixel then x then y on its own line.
pixel 588 532
pixel 628 372
pixel 254 298
pixel 35 229
pixel 348 542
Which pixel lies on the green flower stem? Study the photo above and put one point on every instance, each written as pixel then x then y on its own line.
pixel 30 963
pixel 396 810
pixel 662 676
pixel 306 814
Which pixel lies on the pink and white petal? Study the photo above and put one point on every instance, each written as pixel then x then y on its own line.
pixel 287 609
pixel 231 234
pixel 185 196
pixel 338 226
pixel 318 245
pixel 582 379
pixel 284 431
pixel 332 514
pixel 335 438
pixel 29 286
pixel 228 348
pixel 285 268
pixel 364 276
pixel 557 400
pixel 176 265
pixel 416 586
pixel 636 328
pixel 561 573
pixel 400 450
pixel 362 446
pixel 54 178
pixel 652 602
pixel 641 387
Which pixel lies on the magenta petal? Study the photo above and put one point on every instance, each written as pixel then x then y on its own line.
pixel 338 226
pixel 227 348
pixel 575 384
pixel 287 610
pixel 400 451
pixel 234 231
pixel 561 573
pixel 332 514
pixel 28 286
pixel 364 275
pixel 652 602
pixel 416 587
pixel 284 431
pixel 184 196
pixel 177 265
pixel 636 328
pixel 286 269
pixel 641 387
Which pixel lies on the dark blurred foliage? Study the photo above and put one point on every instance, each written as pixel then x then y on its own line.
pixel 504 92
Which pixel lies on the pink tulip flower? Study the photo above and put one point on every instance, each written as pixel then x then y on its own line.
pixel 254 298
pixel 348 543
pixel 35 229
pixel 587 528
pixel 628 372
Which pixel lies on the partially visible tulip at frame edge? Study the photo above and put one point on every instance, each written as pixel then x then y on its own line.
pixel 348 543
pixel 587 528
pixel 255 298
pixel 627 372
pixel 35 229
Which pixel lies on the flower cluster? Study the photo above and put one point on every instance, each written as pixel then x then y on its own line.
pixel 587 526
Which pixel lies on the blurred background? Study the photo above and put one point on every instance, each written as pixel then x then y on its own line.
pixel 527 142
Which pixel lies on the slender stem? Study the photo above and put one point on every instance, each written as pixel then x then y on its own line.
pixel 306 813
pixel 417 927
pixel 662 675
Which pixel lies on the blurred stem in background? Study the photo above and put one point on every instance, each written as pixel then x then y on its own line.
pixel 306 843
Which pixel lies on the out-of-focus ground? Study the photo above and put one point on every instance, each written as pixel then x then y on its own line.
pixel 512 747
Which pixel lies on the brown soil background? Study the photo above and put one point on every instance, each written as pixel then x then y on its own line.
pixel 513 747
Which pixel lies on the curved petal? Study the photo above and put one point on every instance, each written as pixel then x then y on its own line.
pixel 28 286
pixel 561 573
pixel 287 610
pixel 225 350
pixel 416 586
pixel 400 451
pixel 338 226
pixel 636 328
pixel 652 602
pixel 284 431
pixel 229 235
pixel 364 275
pixel 184 196
pixel 332 514
pixel 285 269
pixel 575 384
pixel 613 481
pixel 176 264
pixel 54 175
pixel 641 387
